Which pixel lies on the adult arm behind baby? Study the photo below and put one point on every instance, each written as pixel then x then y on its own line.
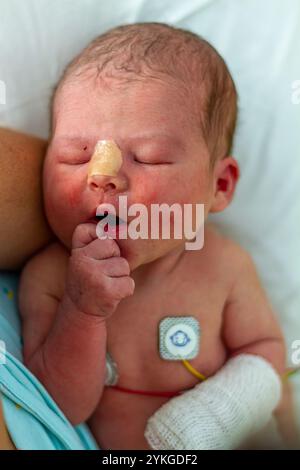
pixel 24 228
pixel 5 439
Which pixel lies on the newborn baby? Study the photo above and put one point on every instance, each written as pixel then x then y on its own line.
pixel 164 102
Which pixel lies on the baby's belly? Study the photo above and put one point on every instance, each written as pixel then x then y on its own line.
pixel 121 418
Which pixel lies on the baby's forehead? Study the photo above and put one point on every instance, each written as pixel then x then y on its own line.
pixel 144 127
pixel 163 98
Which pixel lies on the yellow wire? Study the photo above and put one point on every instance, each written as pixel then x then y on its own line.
pixel 191 369
pixel 200 376
pixel 289 373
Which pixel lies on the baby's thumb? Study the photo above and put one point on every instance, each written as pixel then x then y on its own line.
pixel 83 235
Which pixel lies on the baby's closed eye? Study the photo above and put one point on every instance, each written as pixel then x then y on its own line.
pixel 152 158
pixel 149 161
pixel 74 158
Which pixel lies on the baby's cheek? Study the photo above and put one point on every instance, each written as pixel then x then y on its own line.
pixel 66 191
pixel 163 191
pixel 61 196
pixel 72 196
pixel 144 192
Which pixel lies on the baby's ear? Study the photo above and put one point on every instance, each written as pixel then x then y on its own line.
pixel 225 176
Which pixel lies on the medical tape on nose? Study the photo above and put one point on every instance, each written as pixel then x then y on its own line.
pixel 106 159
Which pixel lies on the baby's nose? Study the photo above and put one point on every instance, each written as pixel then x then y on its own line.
pixel 104 167
pixel 97 182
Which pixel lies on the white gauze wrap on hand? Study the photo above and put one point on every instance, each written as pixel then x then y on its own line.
pixel 221 412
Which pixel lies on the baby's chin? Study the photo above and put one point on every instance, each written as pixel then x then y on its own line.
pixel 141 252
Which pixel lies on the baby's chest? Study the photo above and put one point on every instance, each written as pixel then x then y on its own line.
pixel 150 334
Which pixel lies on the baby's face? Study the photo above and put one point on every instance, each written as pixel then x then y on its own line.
pixel 163 157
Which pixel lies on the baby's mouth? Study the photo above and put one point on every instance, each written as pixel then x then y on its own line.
pixel 110 219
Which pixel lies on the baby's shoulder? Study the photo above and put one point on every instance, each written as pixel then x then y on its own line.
pixel 47 268
pixel 222 254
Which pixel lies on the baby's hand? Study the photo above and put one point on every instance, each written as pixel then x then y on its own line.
pixel 98 278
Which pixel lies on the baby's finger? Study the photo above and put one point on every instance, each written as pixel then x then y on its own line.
pixel 85 238
pixel 115 267
pixel 123 285
pixel 101 249
pixel 83 235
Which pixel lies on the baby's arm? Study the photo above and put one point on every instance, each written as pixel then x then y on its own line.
pixel 238 401
pixel 63 347
pixel 65 333
pixel 249 324
pixel 250 327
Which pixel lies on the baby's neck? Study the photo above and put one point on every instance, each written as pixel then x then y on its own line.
pixel 157 268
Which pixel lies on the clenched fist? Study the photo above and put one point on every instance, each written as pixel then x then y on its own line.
pixel 98 278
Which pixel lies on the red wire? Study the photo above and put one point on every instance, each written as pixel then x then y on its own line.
pixel 146 392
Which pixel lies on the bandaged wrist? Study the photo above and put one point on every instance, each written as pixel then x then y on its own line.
pixel 221 412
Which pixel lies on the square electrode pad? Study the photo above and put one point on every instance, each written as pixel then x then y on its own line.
pixel 179 338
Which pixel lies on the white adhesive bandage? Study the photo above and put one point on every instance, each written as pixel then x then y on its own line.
pixel 221 412
pixel 106 159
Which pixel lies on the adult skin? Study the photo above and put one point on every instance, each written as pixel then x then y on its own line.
pixel 24 228
pixel 23 225
pixel 5 439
